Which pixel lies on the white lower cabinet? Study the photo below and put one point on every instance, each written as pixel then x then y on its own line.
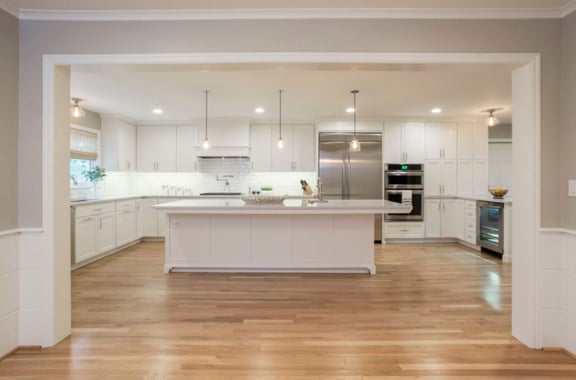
pixel 470 222
pixel 126 224
pixel 444 218
pixel 94 230
pixel 147 219
pixel 403 230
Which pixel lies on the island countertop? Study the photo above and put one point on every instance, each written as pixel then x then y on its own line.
pixel 288 207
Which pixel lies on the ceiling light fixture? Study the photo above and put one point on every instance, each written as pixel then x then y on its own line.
pixel 350 110
pixel 259 110
pixel 206 143
pixel 355 144
pixel 76 111
pixel 492 120
pixel 280 142
pixel 436 110
pixel 158 111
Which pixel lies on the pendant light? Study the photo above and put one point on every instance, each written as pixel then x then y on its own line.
pixel 280 142
pixel 492 121
pixel 76 111
pixel 355 144
pixel 206 143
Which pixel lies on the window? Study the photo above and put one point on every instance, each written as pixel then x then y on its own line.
pixel 84 148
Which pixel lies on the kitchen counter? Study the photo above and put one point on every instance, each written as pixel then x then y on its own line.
pixel 211 235
pixel 476 198
pixel 170 197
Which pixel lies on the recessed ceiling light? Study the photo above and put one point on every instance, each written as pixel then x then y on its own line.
pixel 350 109
pixel 158 111
pixel 259 110
pixel 436 110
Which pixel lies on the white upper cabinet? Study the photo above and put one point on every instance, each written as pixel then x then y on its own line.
pixel 441 141
pixel 157 149
pixel 404 143
pixel 298 153
pixel 227 133
pixel 441 178
pixel 186 148
pixel 118 144
pixel 472 141
pixel 261 148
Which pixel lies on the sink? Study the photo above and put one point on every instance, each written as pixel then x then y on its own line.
pixel 220 193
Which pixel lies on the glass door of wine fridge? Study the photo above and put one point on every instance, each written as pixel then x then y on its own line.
pixel 490 226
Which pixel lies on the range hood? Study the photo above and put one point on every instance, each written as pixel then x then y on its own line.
pixel 223 152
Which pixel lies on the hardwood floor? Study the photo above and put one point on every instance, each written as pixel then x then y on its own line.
pixel 431 312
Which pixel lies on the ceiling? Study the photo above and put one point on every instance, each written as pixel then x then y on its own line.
pixel 313 92
pixel 284 4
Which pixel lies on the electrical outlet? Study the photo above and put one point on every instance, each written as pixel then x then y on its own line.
pixel 572 188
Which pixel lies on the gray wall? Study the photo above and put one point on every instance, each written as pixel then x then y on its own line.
pixel 568 147
pixel 397 36
pixel 501 131
pixel 90 120
pixel 8 121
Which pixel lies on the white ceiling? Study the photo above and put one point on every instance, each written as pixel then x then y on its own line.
pixel 284 4
pixel 313 92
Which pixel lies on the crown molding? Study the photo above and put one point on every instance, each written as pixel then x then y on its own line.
pixel 290 14
pixel 569 8
pixel 10 8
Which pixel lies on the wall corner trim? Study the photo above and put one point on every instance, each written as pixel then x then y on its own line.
pixel 10 8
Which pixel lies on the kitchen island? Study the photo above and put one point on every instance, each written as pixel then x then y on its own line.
pixel 335 236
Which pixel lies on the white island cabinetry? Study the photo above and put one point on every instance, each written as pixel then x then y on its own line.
pixel 297 236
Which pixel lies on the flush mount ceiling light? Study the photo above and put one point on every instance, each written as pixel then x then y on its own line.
pixel 492 120
pixel 206 143
pixel 280 142
pixel 158 111
pixel 259 110
pixel 350 110
pixel 436 110
pixel 355 144
pixel 76 111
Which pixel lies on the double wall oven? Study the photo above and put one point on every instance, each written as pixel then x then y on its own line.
pixel 400 182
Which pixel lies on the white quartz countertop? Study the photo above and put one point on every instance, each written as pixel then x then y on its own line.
pixel 164 196
pixel 290 206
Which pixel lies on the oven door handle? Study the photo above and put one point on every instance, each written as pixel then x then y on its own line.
pixel 402 173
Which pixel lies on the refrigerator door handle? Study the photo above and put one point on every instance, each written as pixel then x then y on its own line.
pixel 343 184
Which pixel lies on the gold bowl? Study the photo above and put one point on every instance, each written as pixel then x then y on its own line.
pixel 498 192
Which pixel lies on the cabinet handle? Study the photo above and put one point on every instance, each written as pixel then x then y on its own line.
pixel 443 206
pixel 86 220
pixel 439 206
pixel 100 223
pixel 128 164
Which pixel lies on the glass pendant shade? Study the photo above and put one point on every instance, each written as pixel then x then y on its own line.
pixel 76 111
pixel 492 120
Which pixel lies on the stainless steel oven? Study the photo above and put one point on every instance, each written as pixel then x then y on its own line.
pixel 404 176
pixel 401 181
pixel 490 232
pixel 417 213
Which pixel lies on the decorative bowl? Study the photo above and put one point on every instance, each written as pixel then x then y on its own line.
pixel 498 192
pixel 263 199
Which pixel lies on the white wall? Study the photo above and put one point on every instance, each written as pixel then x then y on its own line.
pixel 9 292
pixel 558 266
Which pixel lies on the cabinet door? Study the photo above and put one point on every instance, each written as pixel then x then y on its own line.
pixel 480 141
pixel 432 217
pixel 465 178
pixel 147 218
pixel 449 141
pixel 106 232
pixel 434 134
pixel 167 157
pixel 480 182
pixel 261 146
pixel 466 141
pixel 229 134
pixel 86 238
pixel 433 178
pixel 303 148
pixel 413 142
pixel 393 151
pixel 126 146
pixel 125 227
pixel 186 148
pixel 282 158
pixel 453 218
pixel 449 178
pixel 146 149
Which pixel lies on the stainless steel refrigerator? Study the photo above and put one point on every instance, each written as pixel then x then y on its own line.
pixel 351 175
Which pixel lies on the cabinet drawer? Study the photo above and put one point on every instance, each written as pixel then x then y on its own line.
pixel 95 209
pixel 126 205
pixel 470 238
pixel 471 205
pixel 403 230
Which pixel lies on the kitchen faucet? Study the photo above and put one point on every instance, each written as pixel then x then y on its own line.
pixel 73 180
pixel 319 189
pixel 224 179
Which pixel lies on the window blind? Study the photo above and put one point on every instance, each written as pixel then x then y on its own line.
pixel 83 144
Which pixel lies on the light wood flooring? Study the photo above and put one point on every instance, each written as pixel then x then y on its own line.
pixel 431 312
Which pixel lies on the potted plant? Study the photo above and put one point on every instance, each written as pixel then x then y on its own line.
pixel 94 176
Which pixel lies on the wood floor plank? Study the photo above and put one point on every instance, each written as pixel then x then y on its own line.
pixel 437 311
